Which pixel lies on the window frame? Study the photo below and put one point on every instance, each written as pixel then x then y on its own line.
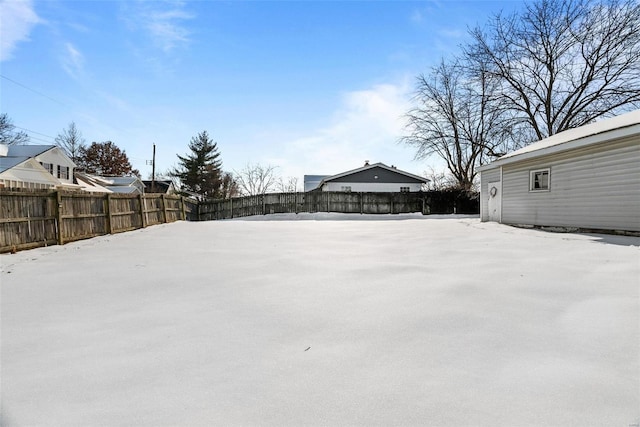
pixel 532 174
pixel 405 189
pixel 63 172
pixel 49 167
pixel 345 188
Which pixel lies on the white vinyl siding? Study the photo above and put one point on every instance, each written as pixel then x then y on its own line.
pixel 490 175
pixel 593 187
pixel 372 187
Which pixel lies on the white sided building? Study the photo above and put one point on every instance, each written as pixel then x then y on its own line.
pixel 35 167
pixel 584 178
pixel 376 178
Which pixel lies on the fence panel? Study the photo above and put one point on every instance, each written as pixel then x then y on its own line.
pixel 82 216
pixel 173 208
pixel 27 219
pixel 125 212
pixel 153 209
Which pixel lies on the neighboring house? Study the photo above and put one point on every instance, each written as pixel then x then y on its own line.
pixel 159 186
pixel 110 184
pixel 35 166
pixel 311 182
pixel 587 178
pixel 376 177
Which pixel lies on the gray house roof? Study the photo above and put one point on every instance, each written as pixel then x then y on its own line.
pixel 594 133
pixel 377 172
pixel 28 150
pixel 7 163
pixel 17 154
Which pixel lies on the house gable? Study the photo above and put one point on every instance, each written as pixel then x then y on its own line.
pixel 21 172
pixel 54 161
pixel 376 173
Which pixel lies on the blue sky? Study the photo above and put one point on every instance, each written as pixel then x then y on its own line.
pixel 309 87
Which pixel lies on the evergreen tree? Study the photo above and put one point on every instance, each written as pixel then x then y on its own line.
pixel 105 158
pixel 200 171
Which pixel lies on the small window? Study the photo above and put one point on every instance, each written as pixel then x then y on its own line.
pixel 404 189
pixel 346 188
pixel 63 172
pixel 539 180
pixel 48 167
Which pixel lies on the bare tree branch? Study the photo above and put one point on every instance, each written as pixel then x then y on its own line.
pixel 255 179
pixel 561 64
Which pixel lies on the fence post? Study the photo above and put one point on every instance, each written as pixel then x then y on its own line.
pixel 58 213
pixel 164 207
pixel 361 203
pixel 184 212
pixel 108 218
pixel 142 210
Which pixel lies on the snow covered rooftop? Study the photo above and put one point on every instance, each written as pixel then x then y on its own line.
pixel 622 125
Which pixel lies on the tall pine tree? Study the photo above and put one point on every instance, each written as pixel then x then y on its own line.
pixel 200 171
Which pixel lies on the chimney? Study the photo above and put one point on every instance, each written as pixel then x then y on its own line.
pixel 4 150
pixel 366 162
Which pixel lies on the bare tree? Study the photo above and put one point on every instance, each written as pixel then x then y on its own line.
pixel 439 181
pixel 8 134
pixel 71 141
pixel 290 185
pixel 563 63
pixel 255 179
pixel 458 120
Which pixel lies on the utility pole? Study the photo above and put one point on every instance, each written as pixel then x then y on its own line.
pixel 153 169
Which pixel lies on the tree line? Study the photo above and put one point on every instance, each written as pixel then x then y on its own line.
pixel 524 76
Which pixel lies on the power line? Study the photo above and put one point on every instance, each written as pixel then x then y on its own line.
pixel 33 131
pixel 41 140
pixel 34 91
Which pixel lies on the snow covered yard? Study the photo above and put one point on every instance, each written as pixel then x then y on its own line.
pixel 324 319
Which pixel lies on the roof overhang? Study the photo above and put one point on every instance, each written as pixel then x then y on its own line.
pixel 371 166
pixel 596 133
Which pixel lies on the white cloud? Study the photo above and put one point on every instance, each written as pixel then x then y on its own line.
pixel 72 61
pixel 163 23
pixel 18 19
pixel 366 126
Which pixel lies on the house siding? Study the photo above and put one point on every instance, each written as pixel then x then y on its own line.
pixel 492 175
pixel 365 187
pixel 57 159
pixel 593 187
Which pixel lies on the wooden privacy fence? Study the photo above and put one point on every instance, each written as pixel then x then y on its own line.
pixel 32 219
pixel 445 202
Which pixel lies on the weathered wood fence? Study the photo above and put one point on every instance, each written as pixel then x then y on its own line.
pixel 32 219
pixel 435 202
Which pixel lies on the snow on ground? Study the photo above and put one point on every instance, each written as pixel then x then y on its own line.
pixel 318 320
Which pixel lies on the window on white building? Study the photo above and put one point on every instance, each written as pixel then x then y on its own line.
pixel 48 167
pixel 63 172
pixel 405 189
pixel 539 180
pixel 346 188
